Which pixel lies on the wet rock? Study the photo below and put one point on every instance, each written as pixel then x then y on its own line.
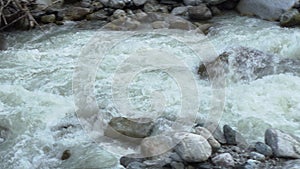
pixel 224 160
pixel 193 147
pixel 192 2
pixel 233 137
pixel 48 18
pixel 215 145
pixel 66 155
pixel 136 128
pixel 290 18
pixel 215 11
pixel 283 144
pixel 257 156
pixel 139 2
pixel 251 164
pixel 292 164
pixel 77 13
pixel 265 9
pixel 180 11
pixel 117 4
pixel 126 160
pixel 156 145
pixel 200 12
pixel 264 149
pixel 241 63
pixel 214 2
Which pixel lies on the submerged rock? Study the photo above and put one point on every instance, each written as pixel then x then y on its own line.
pixel 265 9
pixel 136 128
pixel 193 147
pixel 283 144
pixel 290 18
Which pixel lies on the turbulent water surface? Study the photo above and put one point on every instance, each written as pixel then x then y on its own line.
pixel 37 109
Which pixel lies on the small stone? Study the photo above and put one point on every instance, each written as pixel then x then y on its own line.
pixel 251 164
pixel 66 155
pixel 224 160
pixel 118 14
pixel 99 15
pixel 180 11
pixel 215 11
pixel 48 18
pixel 192 2
pixel 264 149
pixel 206 134
pixel 77 13
pixel 257 156
pixel 290 18
pixel 200 12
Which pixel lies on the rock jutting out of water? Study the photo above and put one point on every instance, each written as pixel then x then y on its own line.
pixel 246 64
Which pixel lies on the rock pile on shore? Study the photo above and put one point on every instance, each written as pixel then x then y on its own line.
pixel 201 148
pixel 197 11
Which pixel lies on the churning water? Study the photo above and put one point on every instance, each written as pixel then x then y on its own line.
pixel 37 109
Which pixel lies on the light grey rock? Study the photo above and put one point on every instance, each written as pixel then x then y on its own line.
pixel 265 9
pixel 139 2
pixel 283 144
pixel 156 145
pixel 200 12
pixel 193 147
pixel 251 164
pixel 192 2
pixel 224 160
pixel 290 18
pixel 292 164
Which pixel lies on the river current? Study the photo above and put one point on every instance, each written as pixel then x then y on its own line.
pixel 37 77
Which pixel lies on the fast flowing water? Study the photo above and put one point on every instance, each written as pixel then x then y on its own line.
pixel 37 107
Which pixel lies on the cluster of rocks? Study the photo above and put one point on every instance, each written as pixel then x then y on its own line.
pixel 49 11
pixel 204 147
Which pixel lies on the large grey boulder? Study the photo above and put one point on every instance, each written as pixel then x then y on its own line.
pixel 265 9
pixel 193 147
pixel 283 144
